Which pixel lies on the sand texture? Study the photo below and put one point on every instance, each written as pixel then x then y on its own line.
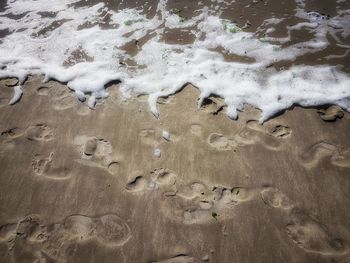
pixel 116 184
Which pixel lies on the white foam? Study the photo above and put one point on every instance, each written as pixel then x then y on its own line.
pixel 17 95
pixel 35 45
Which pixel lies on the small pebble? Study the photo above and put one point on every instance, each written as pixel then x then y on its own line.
pixel 166 135
pixel 157 153
pixel 205 258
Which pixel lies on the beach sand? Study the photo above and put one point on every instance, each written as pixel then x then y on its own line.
pixel 116 184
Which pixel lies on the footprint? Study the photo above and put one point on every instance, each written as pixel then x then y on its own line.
pixel 161 177
pixel 322 150
pixel 113 167
pixel 303 230
pixel 43 90
pixel 80 227
pixel 137 184
pixel 331 114
pixel 220 142
pixel 112 230
pixel 62 98
pixel 158 178
pixel 246 137
pixel 274 198
pixel 65 102
pixel 281 131
pixel 256 133
pixel 212 105
pixel 54 241
pixel 43 166
pixel 12 133
pixel 9 82
pixel 28 227
pixel 311 236
pixel 278 131
pixel 178 259
pixel 244 194
pixel 261 134
pixel 193 190
pixel 196 204
pixel 103 151
pixel 90 147
pixel 108 229
pixel 97 152
pixel 341 159
pixel 40 132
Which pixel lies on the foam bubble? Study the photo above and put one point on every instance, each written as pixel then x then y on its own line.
pixel 79 46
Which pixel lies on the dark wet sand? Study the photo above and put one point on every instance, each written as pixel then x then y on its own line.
pixel 81 185
pixel 240 12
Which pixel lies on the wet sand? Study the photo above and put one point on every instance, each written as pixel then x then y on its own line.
pixel 82 185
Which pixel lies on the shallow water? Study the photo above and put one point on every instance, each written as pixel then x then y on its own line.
pixel 270 54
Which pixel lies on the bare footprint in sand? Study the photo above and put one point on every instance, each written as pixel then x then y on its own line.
pixel 79 227
pixel 54 240
pixel 322 150
pixel 316 153
pixel 193 190
pixel 27 228
pixel 341 159
pixel 311 236
pixel 212 105
pixel 40 132
pixel 97 152
pixel 258 133
pixel 161 177
pixel 331 114
pixel 281 131
pixel 303 230
pixel 158 178
pixel 42 166
pixel 62 98
pixel 221 143
pixel 137 184
pixel 178 259
pixel 41 163
pixel 12 133
pixel 274 198
pixel 244 194
pixel 112 230
pixel 252 133
pixel 196 204
pixel 109 229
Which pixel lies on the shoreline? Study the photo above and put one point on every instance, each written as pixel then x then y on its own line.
pixel 332 112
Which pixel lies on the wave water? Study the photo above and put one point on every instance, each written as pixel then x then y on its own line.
pixel 268 55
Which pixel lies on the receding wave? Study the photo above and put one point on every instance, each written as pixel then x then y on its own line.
pixel 238 51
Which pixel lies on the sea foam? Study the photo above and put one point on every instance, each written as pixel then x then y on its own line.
pixel 84 48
